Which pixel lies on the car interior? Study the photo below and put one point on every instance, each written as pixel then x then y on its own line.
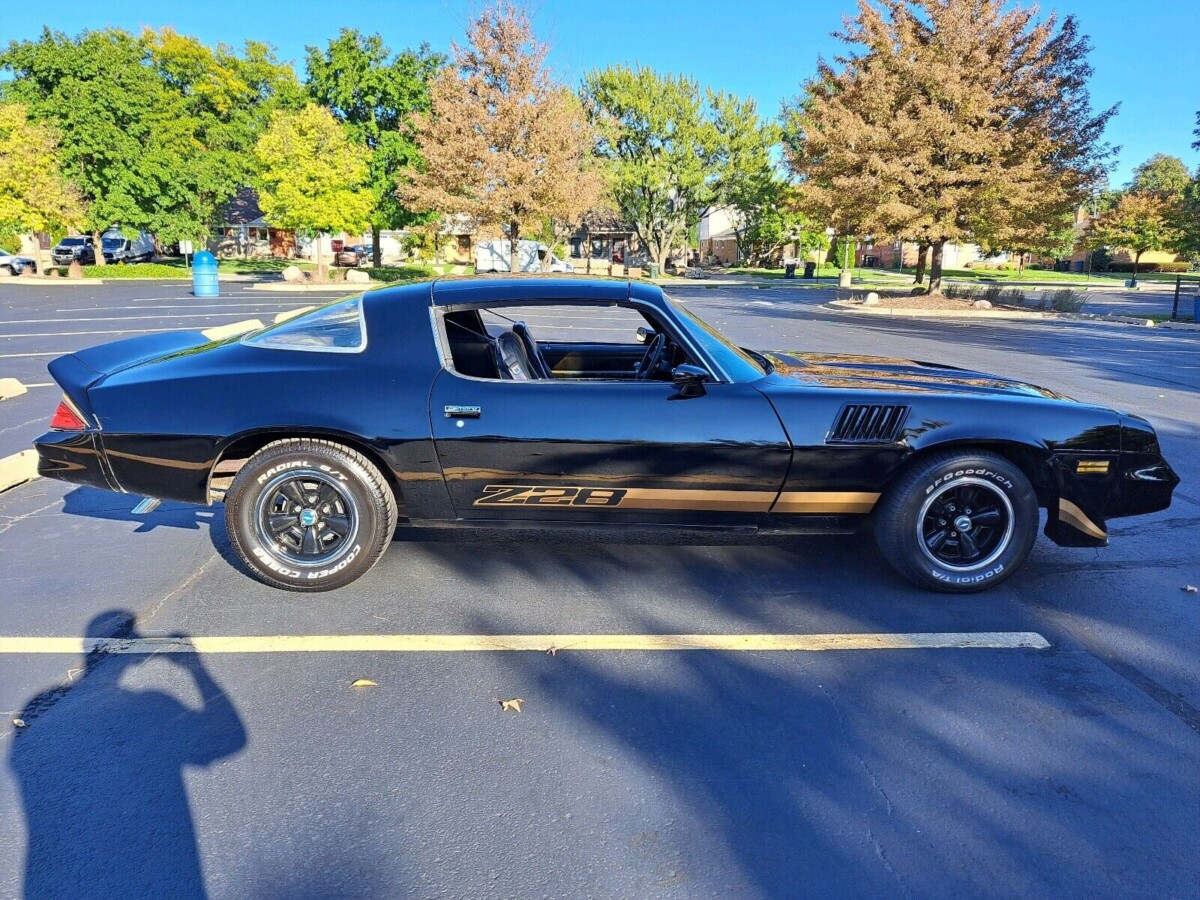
pixel 494 343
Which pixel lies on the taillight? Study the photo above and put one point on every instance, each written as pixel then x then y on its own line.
pixel 66 419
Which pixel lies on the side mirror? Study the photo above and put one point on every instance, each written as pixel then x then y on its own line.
pixel 689 380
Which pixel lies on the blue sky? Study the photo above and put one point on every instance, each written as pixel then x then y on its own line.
pixel 1144 53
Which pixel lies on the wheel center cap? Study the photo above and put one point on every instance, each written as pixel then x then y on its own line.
pixel 308 517
pixel 962 523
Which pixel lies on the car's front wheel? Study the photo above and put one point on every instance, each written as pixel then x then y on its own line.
pixel 309 515
pixel 958 521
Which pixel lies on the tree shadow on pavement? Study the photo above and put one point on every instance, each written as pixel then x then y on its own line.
pixel 99 768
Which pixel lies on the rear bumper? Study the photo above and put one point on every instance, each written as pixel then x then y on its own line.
pixel 74 457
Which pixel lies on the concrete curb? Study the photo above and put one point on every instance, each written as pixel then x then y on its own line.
pixel 292 313
pixel 10 387
pixel 881 310
pixel 220 332
pixel 18 469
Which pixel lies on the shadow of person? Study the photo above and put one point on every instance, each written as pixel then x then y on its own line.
pixel 99 767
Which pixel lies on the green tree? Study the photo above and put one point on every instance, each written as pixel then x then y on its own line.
pixel 1139 223
pixel 156 129
pixel 377 95
pixel 760 197
pixel 95 90
pixel 34 195
pixel 1161 175
pixel 661 148
pixel 220 101
pixel 949 120
pixel 311 177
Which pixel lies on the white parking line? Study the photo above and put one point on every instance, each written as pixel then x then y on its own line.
pixel 452 643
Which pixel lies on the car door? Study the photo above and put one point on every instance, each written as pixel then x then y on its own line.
pixel 606 450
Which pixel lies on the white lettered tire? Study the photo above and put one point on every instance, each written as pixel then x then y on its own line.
pixel 309 515
pixel 958 521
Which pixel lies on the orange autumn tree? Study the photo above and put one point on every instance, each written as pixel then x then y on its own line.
pixel 503 142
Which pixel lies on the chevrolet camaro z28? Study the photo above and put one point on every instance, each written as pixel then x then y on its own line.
pixel 438 404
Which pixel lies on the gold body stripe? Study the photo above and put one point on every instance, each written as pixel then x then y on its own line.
pixel 1075 517
pixel 826 502
pixel 731 501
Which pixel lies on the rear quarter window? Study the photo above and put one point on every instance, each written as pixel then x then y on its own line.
pixel 337 328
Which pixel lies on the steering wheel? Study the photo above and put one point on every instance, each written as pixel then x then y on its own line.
pixel 652 359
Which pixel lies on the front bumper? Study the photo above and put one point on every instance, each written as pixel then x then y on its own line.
pixel 75 457
pixel 1093 488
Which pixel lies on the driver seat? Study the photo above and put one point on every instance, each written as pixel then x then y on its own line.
pixel 536 360
pixel 511 358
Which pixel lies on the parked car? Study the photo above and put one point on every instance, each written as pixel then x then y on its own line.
pixel 353 255
pixel 119 249
pixel 435 399
pixel 71 249
pixel 16 265
pixel 496 256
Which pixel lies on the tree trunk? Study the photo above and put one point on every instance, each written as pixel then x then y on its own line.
pixel 922 253
pixel 98 251
pixel 1136 259
pixel 376 250
pixel 935 267
pixel 514 247
pixel 317 257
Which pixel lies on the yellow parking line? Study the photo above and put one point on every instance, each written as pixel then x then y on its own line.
pixel 452 643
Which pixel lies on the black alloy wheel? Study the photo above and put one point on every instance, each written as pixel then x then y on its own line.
pixel 957 521
pixel 309 515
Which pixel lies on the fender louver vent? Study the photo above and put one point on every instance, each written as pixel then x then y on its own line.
pixel 868 423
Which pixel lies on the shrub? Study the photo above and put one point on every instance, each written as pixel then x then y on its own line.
pixel 1147 267
pixel 1013 297
pixel 400 273
pixel 135 271
pixel 1065 300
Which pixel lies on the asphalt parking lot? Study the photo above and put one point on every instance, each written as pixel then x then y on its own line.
pixel 1067 767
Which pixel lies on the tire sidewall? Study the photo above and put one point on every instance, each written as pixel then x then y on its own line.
pixel 243 529
pixel 1000 475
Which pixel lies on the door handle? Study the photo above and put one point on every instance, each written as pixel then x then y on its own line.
pixel 463 412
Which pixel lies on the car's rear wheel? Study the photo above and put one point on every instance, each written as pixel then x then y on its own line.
pixel 958 522
pixel 309 515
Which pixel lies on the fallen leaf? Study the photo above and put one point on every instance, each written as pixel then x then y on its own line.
pixel 552 650
pixel 1191 588
pixel 363 682
pixel 20 723
pixel 513 705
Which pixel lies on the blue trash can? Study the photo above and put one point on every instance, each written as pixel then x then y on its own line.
pixel 204 275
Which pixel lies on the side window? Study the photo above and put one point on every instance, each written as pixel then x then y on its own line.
pixel 569 324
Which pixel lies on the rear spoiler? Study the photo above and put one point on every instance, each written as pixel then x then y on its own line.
pixel 79 371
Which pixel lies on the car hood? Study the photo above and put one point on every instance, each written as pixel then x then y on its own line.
pixel 877 373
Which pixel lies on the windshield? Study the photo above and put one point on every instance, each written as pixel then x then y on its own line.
pixel 112 243
pixel 72 242
pixel 743 366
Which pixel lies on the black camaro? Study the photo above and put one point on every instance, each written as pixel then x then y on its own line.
pixel 436 404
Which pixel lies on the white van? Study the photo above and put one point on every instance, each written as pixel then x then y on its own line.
pixel 493 256
pixel 119 249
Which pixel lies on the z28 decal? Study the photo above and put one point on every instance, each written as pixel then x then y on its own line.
pixel 515 495
pixel 813 502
